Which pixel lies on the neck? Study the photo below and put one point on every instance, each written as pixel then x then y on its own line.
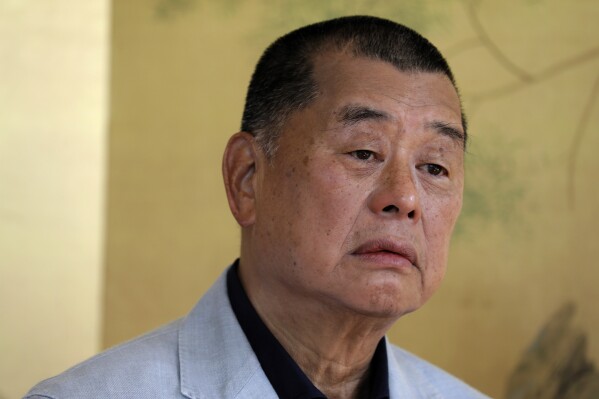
pixel 333 347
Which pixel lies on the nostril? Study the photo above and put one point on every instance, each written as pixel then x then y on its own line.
pixel 391 209
pixel 411 215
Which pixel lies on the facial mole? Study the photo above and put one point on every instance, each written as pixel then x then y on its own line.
pixel 305 160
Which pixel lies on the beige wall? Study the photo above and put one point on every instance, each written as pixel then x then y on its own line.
pixel 53 85
pixel 527 237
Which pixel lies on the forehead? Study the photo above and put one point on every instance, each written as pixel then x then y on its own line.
pixel 344 79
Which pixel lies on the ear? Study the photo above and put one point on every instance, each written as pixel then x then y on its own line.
pixel 239 174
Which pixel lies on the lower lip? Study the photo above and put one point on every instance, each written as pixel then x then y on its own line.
pixel 386 259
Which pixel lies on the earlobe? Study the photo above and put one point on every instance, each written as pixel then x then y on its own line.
pixel 239 174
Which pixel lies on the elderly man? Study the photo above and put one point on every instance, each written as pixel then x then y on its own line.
pixel 346 179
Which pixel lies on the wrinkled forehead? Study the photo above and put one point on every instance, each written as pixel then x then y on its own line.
pixel 341 77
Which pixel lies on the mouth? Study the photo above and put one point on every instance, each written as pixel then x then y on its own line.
pixel 387 252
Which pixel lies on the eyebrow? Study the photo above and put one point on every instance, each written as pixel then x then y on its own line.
pixel 446 129
pixel 352 114
pixel 355 113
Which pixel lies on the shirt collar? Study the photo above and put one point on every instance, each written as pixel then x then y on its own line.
pixel 285 376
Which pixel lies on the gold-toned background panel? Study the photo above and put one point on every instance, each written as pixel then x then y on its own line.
pixel 525 242
pixel 53 112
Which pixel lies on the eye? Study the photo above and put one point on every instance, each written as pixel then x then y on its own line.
pixel 363 155
pixel 435 170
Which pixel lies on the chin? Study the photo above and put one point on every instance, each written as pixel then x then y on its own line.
pixel 391 313
pixel 381 304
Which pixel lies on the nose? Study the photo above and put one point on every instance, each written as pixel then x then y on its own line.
pixel 395 194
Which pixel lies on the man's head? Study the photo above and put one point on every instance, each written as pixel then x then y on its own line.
pixel 283 80
pixel 355 208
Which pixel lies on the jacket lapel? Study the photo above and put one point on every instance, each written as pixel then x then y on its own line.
pixel 215 358
pixel 405 381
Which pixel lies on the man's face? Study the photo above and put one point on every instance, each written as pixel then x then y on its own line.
pixel 356 208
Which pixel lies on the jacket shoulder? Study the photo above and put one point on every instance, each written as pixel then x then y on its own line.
pixel 433 379
pixel 146 366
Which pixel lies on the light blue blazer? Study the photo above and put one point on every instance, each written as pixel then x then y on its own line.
pixel 206 355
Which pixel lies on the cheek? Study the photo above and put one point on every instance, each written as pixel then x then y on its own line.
pixel 438 223
pixel 441 212
pixel 328 204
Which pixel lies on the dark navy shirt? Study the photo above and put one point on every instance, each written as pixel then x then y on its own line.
pixel 285 376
